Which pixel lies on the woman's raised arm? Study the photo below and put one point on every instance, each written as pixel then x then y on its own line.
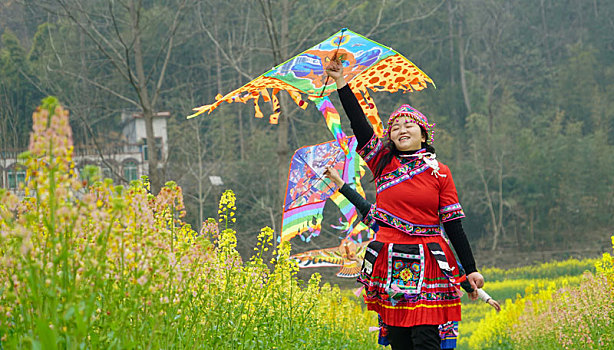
pixel 358 122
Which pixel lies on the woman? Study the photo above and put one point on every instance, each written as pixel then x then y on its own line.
pixel 410 273
pixel 448 332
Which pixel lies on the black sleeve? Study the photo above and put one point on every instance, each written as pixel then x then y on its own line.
pixel 466 286
pixel 454 230
pixel 358 121
pixel 355 198
pixel 465 283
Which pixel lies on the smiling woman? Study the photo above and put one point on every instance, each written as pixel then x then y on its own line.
pixel 409 271
pixel 408 132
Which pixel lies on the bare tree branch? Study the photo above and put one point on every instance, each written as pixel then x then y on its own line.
pixel 115 60
pixel 172 33
pixel 100 152
pixel 226 55
pixel 392 24
pixel 98 85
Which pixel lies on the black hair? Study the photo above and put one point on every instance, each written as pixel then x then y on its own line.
pixel 393 151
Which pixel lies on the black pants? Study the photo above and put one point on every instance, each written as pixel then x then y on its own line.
pixel 425 337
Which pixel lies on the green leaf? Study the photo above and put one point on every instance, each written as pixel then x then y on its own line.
pixel 47 336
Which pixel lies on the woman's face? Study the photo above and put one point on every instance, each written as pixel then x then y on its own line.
pixel 406 134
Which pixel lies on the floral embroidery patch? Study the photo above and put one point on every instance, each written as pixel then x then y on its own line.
pixel 451 212
pixel 405 268
pixel 403 173
pixel 371 148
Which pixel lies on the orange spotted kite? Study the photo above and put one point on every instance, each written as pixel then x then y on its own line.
pixel 367 64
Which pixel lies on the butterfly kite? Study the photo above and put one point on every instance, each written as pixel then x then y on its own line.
pixel 367 65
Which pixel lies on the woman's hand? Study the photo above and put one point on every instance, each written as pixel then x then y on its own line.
pixel 333 175
pixel 334 69
pixel 476 280
pixel 494 304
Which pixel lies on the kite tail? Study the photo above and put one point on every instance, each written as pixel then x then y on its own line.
pixel 354 226
pixel 274 118
pixel 305 219
pixel 333 121
pixel 370 110
pixel 352 173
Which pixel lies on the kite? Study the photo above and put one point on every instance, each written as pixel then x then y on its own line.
pixel 367 65
pixel 348 256
pixel 307 190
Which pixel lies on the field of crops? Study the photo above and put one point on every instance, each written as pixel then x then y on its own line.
pixel 532 298
pixel 86 264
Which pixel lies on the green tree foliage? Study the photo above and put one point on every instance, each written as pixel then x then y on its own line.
pixel 18 94
pixel 523 103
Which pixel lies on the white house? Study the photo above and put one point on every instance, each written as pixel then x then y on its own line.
pixel 122 160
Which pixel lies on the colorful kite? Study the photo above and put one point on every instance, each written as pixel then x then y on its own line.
pixel 348 256
pixel 367 65
pixel 307 190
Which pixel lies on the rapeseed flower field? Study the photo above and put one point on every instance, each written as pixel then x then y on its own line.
pixel 556 305
pixel 87 264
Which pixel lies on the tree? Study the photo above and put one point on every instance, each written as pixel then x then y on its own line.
pixel 137 39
